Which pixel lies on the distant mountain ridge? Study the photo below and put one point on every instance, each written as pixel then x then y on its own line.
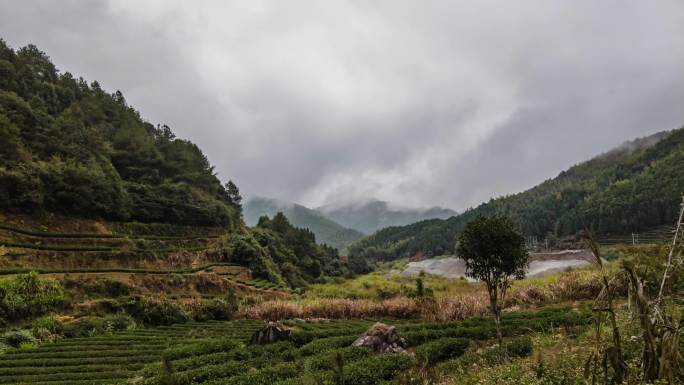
pixel 636 186
pixel 374 215
pixel 326 230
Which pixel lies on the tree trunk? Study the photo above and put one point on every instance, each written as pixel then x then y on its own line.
pixel 494 302
pixel 497 321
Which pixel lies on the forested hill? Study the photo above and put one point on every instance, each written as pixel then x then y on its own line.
pixel 636 186
pixel 71 147
pixel 326 230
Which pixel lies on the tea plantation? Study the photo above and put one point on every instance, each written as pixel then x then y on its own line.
pixel 218 352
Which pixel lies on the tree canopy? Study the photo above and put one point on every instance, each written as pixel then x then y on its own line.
pixel 494 253
pixel 281 253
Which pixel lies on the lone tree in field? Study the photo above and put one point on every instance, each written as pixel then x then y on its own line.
pixel 494 252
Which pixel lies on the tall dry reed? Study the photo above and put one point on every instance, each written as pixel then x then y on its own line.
pixel 444 308
pixel 569 286
pixel 399 307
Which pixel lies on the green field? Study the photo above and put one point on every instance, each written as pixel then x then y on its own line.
pixel 218 352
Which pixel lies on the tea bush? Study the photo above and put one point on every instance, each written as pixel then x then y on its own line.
pixel 519 347
pixel 442 349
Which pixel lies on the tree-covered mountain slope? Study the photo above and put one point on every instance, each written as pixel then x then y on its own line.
pixel 373 215
pixel 277 251
pixel 326 230
pixel 633 187
pixel 71 150
pixel 70 147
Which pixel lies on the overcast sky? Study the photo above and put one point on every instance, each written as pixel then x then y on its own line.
pixel 419 103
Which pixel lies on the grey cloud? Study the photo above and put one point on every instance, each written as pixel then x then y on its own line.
pixel 417 103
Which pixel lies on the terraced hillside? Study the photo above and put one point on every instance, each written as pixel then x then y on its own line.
pixel 112 358
pixel 134 255
pixel 218 352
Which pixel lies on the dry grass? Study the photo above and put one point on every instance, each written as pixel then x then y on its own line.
pixel 457 307
pixel 444 308
pixel 470 302
pixel 569 286
pixel 399 307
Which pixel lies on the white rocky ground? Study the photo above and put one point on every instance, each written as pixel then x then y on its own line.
pixel 540 264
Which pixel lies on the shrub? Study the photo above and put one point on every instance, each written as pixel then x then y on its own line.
pixel 119 322
pixel 111 288
pixel 323 344
pixel 27 295
pixel 327 360
pixel 266 376
pixel 49 323
pixel 154 311
pixel 204 347
pixel 519 347
pixel 84 327
pixel 17 337
pixel 27 345
pixel 210 372
pixel 213 309
pixel 442 349
pixel 376 369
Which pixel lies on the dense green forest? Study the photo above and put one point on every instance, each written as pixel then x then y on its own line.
pixel 634 187
pixel 70 147
pixel 326 230
pixel 279 252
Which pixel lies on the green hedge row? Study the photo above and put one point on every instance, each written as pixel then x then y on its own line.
pixel 442 349
pixel 32 370
pixel 119 374
pixel 79 361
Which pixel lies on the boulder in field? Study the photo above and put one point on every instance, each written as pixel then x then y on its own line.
pixel 382 339
pixel 272 332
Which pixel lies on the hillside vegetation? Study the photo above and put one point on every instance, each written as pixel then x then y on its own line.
pixel 279 252
pixel 88 186
pixel 326 230
pixel 70 147
pixel 629 189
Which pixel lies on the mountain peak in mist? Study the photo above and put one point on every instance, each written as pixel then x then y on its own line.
pixel 371 215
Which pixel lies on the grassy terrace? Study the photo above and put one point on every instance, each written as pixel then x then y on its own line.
pixel 12 271
pixel 48 234
pixel 216 352
pixel 19 238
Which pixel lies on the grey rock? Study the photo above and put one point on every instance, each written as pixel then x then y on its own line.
pixel 272 332
pixel 382 339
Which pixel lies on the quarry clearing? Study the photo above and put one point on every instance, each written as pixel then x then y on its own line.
pixel 540 264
